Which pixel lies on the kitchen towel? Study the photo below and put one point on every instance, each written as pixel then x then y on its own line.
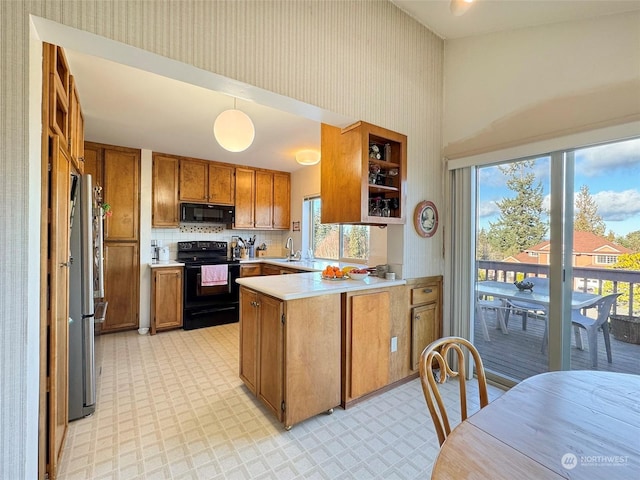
pixel 212 275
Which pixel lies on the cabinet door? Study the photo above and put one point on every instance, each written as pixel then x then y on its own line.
pixel 76 129
pixel 93 163
pixel 281 201
pixel 271 360
pixel 249 338
pixel 245 199
pixel 264 200
pixel 424 330
pixel 59 300
pixel 166 299
pixel 194 181
pixel 122 287
pixel 122 192
pixel 164 202
pixel 370 342
pixel 221 184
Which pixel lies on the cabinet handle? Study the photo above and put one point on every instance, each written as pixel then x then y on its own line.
pixel 427 290
pixel 417 317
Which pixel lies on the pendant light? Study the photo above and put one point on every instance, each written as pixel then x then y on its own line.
pixel 234 130
pixel 308 157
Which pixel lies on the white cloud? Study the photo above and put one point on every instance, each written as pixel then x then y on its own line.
pixel 488 209
pixel 596 161
pixel 616 206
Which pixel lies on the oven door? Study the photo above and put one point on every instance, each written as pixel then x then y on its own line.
pixel 197 294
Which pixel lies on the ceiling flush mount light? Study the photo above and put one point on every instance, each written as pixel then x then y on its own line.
pixel 459 7
pixel 234 130
pixel 308 157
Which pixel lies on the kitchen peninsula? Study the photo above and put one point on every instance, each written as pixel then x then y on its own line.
pixel 308 345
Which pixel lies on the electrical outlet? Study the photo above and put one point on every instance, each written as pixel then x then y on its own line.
pixel 394 344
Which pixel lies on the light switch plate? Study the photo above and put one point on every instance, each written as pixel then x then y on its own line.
pixel 394 344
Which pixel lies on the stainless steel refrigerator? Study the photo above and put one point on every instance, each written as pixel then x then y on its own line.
pixel 85 286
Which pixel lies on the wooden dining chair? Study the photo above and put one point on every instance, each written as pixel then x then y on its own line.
pixel 436 357
pixel 591 326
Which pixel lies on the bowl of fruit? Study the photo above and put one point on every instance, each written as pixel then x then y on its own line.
pixel 332 272
pixel 358 273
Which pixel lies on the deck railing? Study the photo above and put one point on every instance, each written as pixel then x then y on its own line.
pixel 595 280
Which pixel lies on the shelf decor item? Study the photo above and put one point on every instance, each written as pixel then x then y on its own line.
pixel 425 219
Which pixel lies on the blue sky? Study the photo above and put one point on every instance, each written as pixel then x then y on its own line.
pixel 612 173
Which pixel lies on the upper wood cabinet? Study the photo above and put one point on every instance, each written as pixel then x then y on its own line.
pixel 245 198
pixel 59 89
pixel 203 181
pixel 281 200
pixel 363 175
pixel 194 180
pixel 164 203
pixel 263 199
pixel 122 193
pixel 76 128
pixel 93 163
pixel 221 184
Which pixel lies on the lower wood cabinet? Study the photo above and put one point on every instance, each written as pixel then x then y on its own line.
pixel 366 344
pixel 290 353
pixel 426 315
pixel 121 285
pixel 166 298
pixel 251 270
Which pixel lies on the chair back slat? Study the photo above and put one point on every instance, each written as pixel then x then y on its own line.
pixel 436 357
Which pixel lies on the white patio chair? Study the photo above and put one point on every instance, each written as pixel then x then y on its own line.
pixel 540 283
pixel 482 305
pixel 591 326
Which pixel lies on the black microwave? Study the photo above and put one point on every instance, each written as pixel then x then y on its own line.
pixel 206 213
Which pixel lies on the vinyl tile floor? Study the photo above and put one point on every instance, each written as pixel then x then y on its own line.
pixel 172 406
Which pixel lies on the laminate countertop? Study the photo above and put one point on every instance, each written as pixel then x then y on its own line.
pixel 303 285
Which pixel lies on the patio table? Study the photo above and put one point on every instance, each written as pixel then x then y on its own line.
pixel 509 291
pixel 571 424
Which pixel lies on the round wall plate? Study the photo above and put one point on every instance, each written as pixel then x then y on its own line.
pixel 425 219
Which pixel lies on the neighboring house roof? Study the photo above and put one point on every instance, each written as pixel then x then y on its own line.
pixel 584 243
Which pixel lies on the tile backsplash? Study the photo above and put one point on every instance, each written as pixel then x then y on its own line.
pixel 170 237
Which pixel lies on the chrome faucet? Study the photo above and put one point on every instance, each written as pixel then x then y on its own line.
pixel 289 246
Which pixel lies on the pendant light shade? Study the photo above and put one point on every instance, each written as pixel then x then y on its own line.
pixel 234 130
pixel 308 157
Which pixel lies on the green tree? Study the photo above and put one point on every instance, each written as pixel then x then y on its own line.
pixel 628 261
pixel 631 240
pixel 586 217
pixel 520 223
pixel 484 250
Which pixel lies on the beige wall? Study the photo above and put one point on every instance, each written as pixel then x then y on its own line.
pixel 366 60
pixel 513 88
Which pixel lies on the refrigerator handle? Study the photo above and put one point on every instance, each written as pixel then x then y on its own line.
pixel 88 342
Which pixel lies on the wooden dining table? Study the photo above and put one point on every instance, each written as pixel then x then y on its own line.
pixel 571 424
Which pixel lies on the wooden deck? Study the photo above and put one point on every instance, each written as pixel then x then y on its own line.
pixel 518 355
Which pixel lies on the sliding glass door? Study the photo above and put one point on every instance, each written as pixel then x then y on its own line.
pixel 512 246
pixel 567 227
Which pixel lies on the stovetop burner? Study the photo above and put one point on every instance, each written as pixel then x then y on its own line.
pixel 204 252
